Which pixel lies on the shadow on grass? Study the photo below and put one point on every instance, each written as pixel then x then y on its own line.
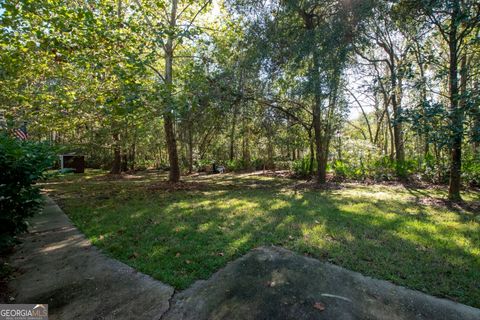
pixel 465 209
pixel 182 236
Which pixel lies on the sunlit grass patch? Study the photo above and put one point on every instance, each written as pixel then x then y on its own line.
pixel 387 232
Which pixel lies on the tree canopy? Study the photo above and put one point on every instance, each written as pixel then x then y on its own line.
pixel 337 89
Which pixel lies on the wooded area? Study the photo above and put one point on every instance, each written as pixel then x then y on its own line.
pixel 336 89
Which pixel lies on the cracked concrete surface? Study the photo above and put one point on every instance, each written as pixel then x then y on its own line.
pixel 275 283
pixel 58 266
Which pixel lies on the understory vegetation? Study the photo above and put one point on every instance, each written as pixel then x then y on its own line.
pixel 22 164
pixel 181 233
pixel 349 130
pixel 354 90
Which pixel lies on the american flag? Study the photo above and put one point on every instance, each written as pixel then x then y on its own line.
pixel 21 133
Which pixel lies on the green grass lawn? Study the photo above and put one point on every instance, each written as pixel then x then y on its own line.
pixel 404 235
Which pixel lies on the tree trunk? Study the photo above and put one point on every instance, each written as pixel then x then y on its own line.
pixel 132 152
pixel 270 165
pixel 316 112
pixel 232 132
pixel 246 150
pixel 420 62
pixel 311 153
pixel 312 157
pixel 132 156
pixel 339 150
pixel 117 156
pixel 317 122
pixel 455 111
pixel 117 151
pixel 390 135
pixel 397 125
pixel 190 148
pixel 321 170
pixel 124 161
pixel 246 144
pixel 174 175
pixel 322 159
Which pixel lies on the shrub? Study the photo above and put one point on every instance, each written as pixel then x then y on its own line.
pixel 257 164
pixel 471 172
pixel 23 163
pixel 235 165
pixel 301 167
pixel 383 169
pixel 340 169
pixel 202 165
pixel 283 165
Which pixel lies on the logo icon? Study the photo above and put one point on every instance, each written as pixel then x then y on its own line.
pixel 23 311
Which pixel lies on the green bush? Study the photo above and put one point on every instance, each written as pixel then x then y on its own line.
pixel 340 169
pixel 235 165
pixel 283 165
pixel 301 167
pixel 471 172
pixel 382 169
pixel 202 165
pixel 257 164
pixel 240 164
pixel 22 163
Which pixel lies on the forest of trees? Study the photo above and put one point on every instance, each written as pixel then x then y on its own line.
pixel 349 89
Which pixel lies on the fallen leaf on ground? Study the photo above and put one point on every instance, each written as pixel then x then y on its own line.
pixel 319 306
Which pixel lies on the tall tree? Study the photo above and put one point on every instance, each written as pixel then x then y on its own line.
pixel 388 49
pixel 455 20
pixel 312 40
pixel 171 23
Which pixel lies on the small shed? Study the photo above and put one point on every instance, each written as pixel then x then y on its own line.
pixel 72 161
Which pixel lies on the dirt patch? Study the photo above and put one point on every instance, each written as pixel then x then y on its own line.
pixel 116 177
pixel 179 186
pixel 473 206
pixel 212 185
pixel 313 185
pixel 276 174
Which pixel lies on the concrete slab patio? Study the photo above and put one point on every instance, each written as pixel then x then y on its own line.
pixel 58 266
pixel 274 283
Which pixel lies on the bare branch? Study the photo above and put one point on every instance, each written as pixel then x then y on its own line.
pixel 363 112
pixel 205 4
pixel 157 72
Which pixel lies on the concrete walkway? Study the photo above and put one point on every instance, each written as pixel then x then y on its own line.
pixel 60 267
